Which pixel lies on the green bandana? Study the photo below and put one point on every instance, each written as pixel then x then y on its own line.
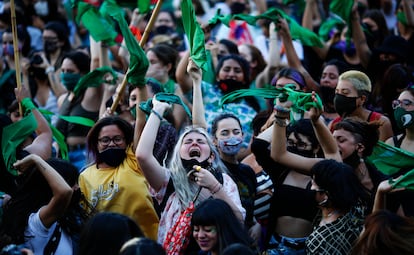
pixel 99 28
pixel 301 101
pixel 138 62
pixel 389 159
pixel 164 97
pixel 406 181
pixel 13 135
pixel 306 36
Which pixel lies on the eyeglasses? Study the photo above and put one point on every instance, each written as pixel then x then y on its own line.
pixel 299 145
pixel 401 103
pixel 106 140
pixel 320 190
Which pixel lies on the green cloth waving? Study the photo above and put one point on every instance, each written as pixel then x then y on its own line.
pixel 306 36
pixel 94 79
pixel 138 62
pixel 389 159
pixel 99 28
pixel 406 181
pixel 13 135
pixel 195 34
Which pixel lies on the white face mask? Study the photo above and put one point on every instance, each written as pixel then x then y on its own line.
pixel 41 8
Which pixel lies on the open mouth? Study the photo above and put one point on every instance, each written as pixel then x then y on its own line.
pixel 195 152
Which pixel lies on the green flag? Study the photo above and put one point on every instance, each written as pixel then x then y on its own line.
pixel 195 34
pixel 13 135
pixel 94 79
pixel 332 22
pixel 389 159
pixel 343 9
pixel 220 18
pixel 138 62
pixel 406 181
pixel 144 6
pixel 304 35
pixel 99 28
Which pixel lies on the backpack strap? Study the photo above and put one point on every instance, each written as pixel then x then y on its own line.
pixel 54 241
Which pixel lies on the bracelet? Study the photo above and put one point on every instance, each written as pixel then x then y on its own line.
pixel 50 69
pixel 281 109
pixel 216 188
pixel 281 122
pixel 157 114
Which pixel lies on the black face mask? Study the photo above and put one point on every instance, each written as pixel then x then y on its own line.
pixel 230 85
pixel 50 46
pixel 327 96
pixel 112 156
pixel 164 30
pixel 189 163
pixel 237 8
pixel 344 105
pixel 304 153
pixel 38 73
pixel 353 160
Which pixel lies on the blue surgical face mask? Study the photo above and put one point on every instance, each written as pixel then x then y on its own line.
pixel 230 146
pixel 69 80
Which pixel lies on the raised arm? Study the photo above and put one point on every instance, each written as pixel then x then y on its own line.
pixel 380 196
pixel 62 192
pixel 183 79
pixel 408 11
pixel 324 135
pixel 274 59
pixel 42 144
pixel 153 171
pixel 358 36
pixel 198 111
pixel 307 22
pixel 140 118
pixel 292 56
pixel 278 145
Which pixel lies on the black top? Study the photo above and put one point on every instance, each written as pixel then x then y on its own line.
pixel 74 109
pixel 245 178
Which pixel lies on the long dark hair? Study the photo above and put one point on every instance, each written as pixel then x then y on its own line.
pixel 343 187
pixel 34 192
pixel 106 232
pixel 216 212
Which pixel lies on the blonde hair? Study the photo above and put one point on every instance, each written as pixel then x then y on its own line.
pixel 184 189
pixel 359 80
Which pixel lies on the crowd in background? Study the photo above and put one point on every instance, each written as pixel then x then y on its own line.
pixel 96 162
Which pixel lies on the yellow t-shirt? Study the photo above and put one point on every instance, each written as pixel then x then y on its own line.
pixel 124 190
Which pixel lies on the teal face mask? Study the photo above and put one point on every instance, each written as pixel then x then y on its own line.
pixel 403 118
pixel 69 80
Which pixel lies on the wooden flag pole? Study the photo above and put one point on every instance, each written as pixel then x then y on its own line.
pixel 16 50
pixel 142 42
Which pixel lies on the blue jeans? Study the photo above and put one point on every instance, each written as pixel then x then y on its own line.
pixel 281 245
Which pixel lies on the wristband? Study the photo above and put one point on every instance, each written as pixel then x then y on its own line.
pixel 281 109
pixel 27 104
pixel 157 114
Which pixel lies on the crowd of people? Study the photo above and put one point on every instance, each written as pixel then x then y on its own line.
pixel 101 157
